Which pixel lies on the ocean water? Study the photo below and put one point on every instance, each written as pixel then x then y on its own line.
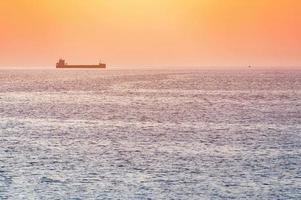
pixel 150 134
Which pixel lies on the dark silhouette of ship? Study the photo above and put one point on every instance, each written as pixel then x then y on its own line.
pixel 62 64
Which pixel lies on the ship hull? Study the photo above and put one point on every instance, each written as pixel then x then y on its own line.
pixel 101 66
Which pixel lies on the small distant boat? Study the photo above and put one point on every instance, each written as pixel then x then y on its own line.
pixel 62 64
pixel 249 66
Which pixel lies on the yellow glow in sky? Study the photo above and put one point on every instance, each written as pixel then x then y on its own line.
pixel 151 32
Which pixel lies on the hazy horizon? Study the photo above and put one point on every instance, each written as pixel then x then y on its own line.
pixel 218 68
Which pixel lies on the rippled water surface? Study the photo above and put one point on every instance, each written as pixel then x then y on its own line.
pixel 150 134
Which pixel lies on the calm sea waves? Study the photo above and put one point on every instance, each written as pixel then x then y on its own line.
pixel 150 134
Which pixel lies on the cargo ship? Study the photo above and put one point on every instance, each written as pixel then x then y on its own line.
pixel 62 64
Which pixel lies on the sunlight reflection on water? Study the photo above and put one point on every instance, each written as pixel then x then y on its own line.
pixel 150 134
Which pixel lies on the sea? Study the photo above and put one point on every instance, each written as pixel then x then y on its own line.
pixel 150 134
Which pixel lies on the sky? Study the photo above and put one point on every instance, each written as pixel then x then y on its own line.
pixel 152 33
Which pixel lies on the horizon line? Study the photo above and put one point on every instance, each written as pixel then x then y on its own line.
pixel 170 67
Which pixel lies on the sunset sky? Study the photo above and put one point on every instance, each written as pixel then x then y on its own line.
pixel 136 33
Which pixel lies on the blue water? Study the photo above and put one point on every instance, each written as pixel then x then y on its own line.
pixel 150 134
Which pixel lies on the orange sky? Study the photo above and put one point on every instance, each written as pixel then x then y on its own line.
pixel 133 33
